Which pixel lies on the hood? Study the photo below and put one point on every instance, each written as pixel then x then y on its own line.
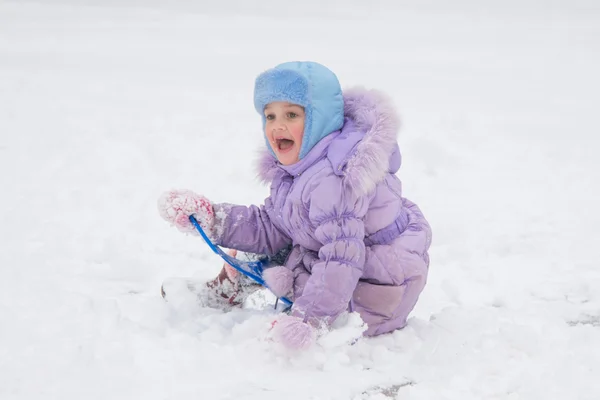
pixel 310 85
pixel 365 151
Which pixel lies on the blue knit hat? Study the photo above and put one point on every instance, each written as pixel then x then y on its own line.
pixel 307 84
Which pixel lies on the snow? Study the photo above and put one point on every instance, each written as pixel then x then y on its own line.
pixel 104 105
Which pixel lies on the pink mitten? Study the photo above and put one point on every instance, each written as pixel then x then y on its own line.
pixel 279 280
pixel 176 206
pixel 293 333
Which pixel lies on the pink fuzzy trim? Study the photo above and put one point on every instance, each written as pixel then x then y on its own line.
pixel 373 112
pixel 267 166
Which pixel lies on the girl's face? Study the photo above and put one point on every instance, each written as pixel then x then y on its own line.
pixel 284 129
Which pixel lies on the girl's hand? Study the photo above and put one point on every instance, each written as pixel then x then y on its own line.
pixel 176 206
pixel 279 280
pixel 293 333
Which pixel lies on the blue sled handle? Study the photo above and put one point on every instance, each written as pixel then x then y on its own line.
pixel 255 266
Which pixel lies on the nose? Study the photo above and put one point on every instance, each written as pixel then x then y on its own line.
pixel 278 126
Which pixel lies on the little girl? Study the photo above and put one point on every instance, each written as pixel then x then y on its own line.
pixel 356 243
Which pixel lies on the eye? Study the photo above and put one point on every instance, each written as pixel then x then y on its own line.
pixel 270 117
pixel 292 115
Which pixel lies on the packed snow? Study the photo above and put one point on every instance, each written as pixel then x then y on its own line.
pixel 106 104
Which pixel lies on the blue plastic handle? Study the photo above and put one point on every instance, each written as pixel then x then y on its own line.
pixel 254 270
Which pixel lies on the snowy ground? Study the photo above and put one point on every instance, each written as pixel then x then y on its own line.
pixel 103 105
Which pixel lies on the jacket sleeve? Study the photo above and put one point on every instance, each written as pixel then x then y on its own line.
pixel 248 229
pixel 337 215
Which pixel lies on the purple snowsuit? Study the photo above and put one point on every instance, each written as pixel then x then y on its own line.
pixel 358 245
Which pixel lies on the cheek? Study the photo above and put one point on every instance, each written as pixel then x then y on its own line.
pixel 298 132
pixel 268 132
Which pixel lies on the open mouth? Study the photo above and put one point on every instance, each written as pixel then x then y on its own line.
pixel 284 144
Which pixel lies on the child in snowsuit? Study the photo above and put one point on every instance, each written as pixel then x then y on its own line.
pixel 356 243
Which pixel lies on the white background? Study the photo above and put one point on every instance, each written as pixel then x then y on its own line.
pixel 104 105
